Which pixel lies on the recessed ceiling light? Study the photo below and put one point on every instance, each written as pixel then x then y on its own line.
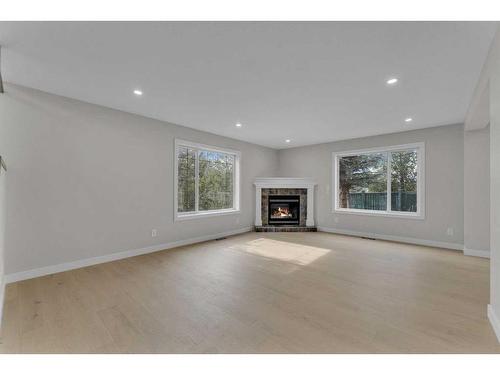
pixel 392 81
pixel 287 141
pixel 138 92
pixel 238 125
pixel 408 119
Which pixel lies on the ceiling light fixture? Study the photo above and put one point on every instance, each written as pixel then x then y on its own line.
pixel 408 119
pixel 138 92
pixel 287 141
pixel 392 81
pixel 238 125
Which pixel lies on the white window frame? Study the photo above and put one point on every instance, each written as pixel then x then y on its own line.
pixel 418 147
pixel 179 216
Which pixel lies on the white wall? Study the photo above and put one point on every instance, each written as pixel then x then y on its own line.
pixel 477 191
pixel 444 184
pixel 86 181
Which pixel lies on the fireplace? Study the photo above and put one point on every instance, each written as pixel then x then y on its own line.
pixel 284 210
pixel 284 204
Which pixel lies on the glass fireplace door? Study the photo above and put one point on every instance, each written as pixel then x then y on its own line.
pixel 284 209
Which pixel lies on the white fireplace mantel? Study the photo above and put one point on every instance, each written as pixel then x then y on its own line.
pixel 284 183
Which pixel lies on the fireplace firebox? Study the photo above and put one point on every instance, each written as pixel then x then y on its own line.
pixel 284 209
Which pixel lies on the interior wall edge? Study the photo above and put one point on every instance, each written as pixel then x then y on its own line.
pixel 494 320
pixel 478 111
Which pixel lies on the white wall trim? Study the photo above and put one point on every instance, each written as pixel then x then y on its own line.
pixel 204 214
pixel 285 182
pixel 37 272
pixel 410 240
pixel 477 253
pixel 495 321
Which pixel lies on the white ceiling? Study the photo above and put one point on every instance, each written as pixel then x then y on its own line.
pixel 309 82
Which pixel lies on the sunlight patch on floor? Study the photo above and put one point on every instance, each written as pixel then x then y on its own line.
pixel 285 251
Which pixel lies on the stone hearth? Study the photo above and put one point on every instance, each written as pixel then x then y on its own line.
pixel 284 228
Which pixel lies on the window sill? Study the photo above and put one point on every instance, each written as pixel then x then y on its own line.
pixel 400 215
pixel 200 215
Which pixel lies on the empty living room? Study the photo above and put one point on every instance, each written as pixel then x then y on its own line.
pixel 249 186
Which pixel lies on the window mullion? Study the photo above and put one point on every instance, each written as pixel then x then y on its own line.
pixel 197 181
pixel 389 192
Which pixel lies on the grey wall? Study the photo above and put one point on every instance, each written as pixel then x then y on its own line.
pixel 2 234
pixel 477 189
pixel 444 184
pixel 495 182
pixel 86 181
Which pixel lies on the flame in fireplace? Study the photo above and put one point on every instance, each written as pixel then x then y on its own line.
pixel 281 212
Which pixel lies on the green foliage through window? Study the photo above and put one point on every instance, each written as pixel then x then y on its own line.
pixel 404 181
pixel 205 180
pixel 186 160
pixel 362 174
pixel 216 180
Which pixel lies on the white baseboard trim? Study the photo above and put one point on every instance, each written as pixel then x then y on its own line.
pixel 410 240
pixel 43 271
pixel 477 253
pixel 495 321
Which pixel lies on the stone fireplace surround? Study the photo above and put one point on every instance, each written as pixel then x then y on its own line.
pixel 304 187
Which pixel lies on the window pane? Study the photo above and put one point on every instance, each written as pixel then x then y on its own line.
pixel 216 180
pixel 186 159
pixel 404 181
pixel 363 182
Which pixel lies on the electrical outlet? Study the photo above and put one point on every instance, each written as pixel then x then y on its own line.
pixel 449 231
pixel 154 232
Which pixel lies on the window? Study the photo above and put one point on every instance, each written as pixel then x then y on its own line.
pixel 383 181
pixel 206 182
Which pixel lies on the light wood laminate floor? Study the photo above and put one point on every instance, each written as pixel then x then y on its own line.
pixel 259 293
